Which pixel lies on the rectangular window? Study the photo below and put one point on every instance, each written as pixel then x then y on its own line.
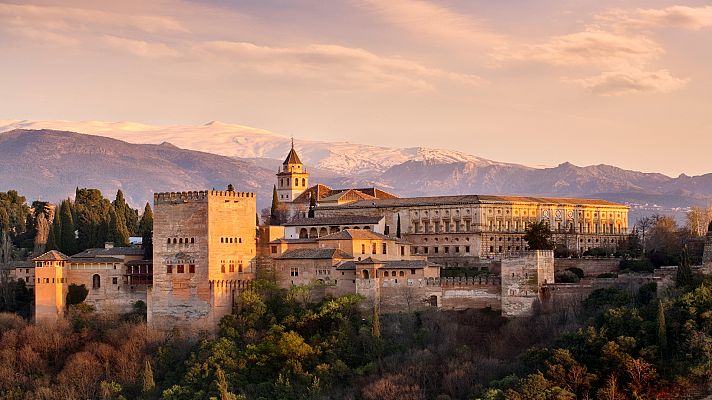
pixel 447 226
pixel 169 269
pixel 412 271
pixel 384 248
pixel 425 249
pixel 114 280
pixel 457 249
pixel 181 269
pixel 467 249
pixel 402 250
pixel 436 249
pixel 274 249
pixel 467 225
pixel 191 268
pixel 294 271
pixel 373 248
pixel 363 249
pixel 447 249
pixel 416 227
pixel 232 266
pixel 414 249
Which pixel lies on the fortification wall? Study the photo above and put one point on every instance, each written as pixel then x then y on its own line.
pixel 591 267
pixel 464 293
pixel 707 254
pixel 521 279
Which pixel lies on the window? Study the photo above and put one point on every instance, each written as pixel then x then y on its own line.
pixel 169 241
pixel 180 240
pixel 412 271
pixel 222 266
pixel 191 268
pixel 294 271
pixel 373 248
pixel 175 241
pixel 467 249
pixel 114 280
pixel 363 249
pixel 402 250
pixel 296 181
pixel 96 281
pixel 239 267
pixel 457 249
pixel 384 245
pixel 192 240
pixel 239 240
pixel 274 249
pixel 385 273
pixel 447 249
pixel 304 182
pixel 425 249
pixel 232 266
pixel 436 249
pixel 180 268
pixel 401 273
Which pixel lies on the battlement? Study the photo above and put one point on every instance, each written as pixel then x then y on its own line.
pixel 197 196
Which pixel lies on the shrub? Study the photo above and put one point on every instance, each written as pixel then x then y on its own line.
pixel 597 252
pixel 642 265
pixel 577 271
pixel 76 294
pixel 566 277
pixel 607 275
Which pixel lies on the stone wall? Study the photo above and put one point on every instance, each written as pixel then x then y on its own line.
pixel 521 280
pixel 707 253
pixel 591 267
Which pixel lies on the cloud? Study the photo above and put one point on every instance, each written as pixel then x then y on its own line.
pixel 616 83
pixel 435 21
pixel 590 47
pixel 79 19
pixel 140 48
pixel 684 17
pixel 339 65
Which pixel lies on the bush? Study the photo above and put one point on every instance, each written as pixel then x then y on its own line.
pixel 562 252
pixel 607 275
pixel 577 271
pixel 642 265
pixel 566 277
pixel 76 294
pixel 597 252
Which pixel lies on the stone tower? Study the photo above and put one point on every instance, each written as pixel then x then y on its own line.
pixel 204 249
pixel 292 178
pixel 50 285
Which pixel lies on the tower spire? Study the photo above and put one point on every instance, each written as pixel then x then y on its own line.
pixel 292 142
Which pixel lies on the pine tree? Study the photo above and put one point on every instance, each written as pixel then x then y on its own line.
pixel 146 231
pixel 662 329
pixel 275 205
pixel 376 327
pixel 398 228
pixel 67 233
pixel 684 271
pixel 148 384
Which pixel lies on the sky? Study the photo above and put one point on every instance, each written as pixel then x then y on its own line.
pixel 625 83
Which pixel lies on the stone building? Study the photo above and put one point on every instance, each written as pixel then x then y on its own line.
pixel 457 231
pixel 107 273
pixel 204 253
pixel 707 252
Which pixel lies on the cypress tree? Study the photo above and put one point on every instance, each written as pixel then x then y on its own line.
pixel 684 271
pixel 376 327
pixel 275 204
pixel 398 228
pixel 118 232
pixel 662 329
pixel 146 230
pixel 54 239
pixel 67 233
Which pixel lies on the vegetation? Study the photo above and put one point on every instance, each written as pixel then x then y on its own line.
pixel 538 236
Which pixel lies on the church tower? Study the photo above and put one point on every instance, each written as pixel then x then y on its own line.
pixel 292 178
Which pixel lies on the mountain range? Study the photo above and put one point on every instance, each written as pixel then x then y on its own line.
pixel 48 159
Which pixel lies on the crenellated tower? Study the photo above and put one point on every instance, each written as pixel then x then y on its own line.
pixel 292 178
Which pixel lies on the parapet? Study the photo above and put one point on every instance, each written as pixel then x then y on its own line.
pixel 196 196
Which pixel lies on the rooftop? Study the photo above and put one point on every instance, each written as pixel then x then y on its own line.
pixel 313 254
pixel 470 199
pixel 342 220
pixel 52 255
pixel 357 234
pixel 404 264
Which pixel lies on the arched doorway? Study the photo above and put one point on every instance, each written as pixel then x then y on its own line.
pixel 96 281
pixel 303 233
pixel 312 233
pixel 323 232
pixel 365 274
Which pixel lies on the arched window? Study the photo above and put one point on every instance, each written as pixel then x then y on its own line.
pixel 180 240
pixel 186 241
pixel 304 182
pixel 312 233
pixel 303 233
pixel 192 240
pixel 169 241
pixel 175 240
pixel 365 274
pixel 96 281
pixel 323 232
pixel 296 181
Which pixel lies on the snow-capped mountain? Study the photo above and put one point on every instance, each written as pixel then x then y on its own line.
pixel 341 158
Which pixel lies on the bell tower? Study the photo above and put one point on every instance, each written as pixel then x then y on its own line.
pixel 292 178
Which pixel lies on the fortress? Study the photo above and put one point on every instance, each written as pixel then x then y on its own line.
pixel 394 251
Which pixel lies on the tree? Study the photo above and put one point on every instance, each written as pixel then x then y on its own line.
pixel 76 294
pixel 275 206
pixel 54 237
pixel 376 323
pixel 147 382
pixel 684 270
pixel 398 227
pixel 118 233
pixel 662 329
pixel 92 211
pixel 67 232
pixel 145 228
pixel 538 236
pixel 221 384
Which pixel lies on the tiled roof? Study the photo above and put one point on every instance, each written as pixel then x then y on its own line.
pixel 313 254
pixel 358 234
pixel 349 194
pixel 325 193
pixel 341 220
pixel 288 241
pixel 405 264
pixel 52 255
pixel 292 158
pixel 95 260
pixel 114 251
pixel 346 266
pixel 470 199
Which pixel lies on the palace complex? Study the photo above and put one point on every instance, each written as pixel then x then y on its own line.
pixel 393 251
